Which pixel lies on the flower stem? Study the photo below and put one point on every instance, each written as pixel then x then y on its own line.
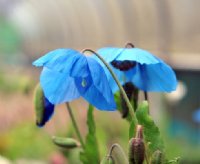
pixel 75 125
pixel 129 45
pixel 131 110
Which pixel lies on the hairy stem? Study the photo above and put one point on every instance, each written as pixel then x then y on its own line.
pixel 75 125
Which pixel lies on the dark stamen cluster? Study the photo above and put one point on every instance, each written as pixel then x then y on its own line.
pixel 123 65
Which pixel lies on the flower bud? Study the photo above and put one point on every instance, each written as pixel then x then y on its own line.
pixel 108 160
pixel 157 157
pixel 132 94
pixel 43 108
pixel 65 142
pixel 137 147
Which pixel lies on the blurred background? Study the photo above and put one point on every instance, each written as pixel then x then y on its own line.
pixel 28 29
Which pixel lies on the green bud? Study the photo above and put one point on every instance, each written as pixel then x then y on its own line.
pixel 65 142
pixel 157 157
pixel 108 160
pixel 39 103
pixel 137 147
pixel 43 107
pixel 111 161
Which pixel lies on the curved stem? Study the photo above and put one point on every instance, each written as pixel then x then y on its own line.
pixel 131 45
pixel 116 80
pixel 75 125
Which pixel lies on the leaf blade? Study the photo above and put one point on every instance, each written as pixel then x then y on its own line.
pixel 151 131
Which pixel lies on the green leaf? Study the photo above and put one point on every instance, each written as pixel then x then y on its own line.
pixel 90 153
pixel 151 131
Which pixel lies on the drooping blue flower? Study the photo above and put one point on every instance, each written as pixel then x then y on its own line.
pixel 68 74
pixel 140 67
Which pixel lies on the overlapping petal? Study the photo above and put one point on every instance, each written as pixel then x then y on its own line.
pixel 149 74
pixel 100 88
pixel 58 87
pixel 63 60
pixel 67 75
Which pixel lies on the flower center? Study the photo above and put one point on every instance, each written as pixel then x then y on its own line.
pixel 83 83
pixel 123 65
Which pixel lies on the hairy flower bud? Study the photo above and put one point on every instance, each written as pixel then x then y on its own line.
pixel 157 157
pixel 66 142
pixel 43 108
pixel 137 147
pixel 108 160
pixel 132 94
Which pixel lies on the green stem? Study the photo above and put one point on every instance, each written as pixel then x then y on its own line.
pixel 146 158
pixel 75 125
pixel 117 81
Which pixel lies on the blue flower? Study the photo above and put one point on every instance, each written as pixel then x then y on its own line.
pixel 68 74
pixel 140 67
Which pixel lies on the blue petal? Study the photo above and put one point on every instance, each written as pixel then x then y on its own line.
pixel 150 74
pixel 80 67
pixel 48 112
pixel 134 54
pixel 99 92
pixel 60 60
pixel 52 55
pixel 58 87
pixel 154 77
pixel 109 53
pixel 120 76
pixel 138 55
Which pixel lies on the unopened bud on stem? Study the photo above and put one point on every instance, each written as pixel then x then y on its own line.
pixel 137 147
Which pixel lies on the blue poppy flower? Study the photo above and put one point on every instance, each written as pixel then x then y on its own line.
pixel 68 74
pixel 140 67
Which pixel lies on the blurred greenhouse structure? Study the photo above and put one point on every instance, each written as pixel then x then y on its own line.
pixel 169 29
